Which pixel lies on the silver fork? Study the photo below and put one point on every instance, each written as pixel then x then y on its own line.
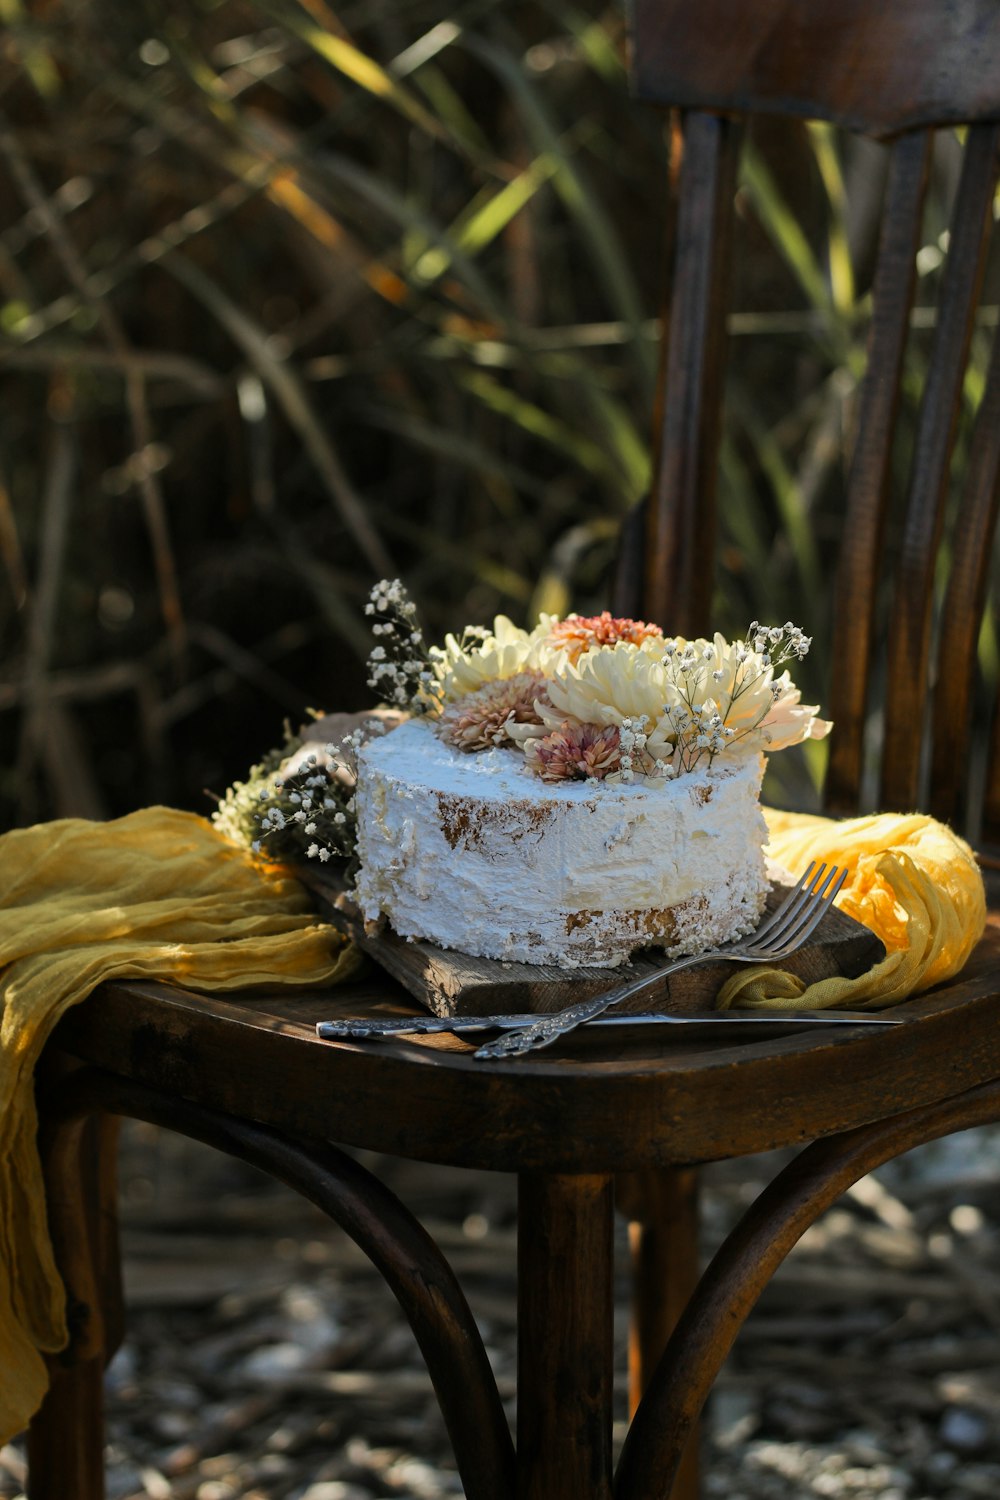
pixel 786 929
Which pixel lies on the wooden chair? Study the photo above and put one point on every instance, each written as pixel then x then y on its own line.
pixel 249 1075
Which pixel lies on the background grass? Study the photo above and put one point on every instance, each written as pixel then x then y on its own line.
pixel 294 298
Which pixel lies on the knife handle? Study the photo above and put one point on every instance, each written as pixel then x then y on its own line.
pixel 394 1026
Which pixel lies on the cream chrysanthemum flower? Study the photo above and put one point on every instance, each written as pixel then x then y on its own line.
pixel 728 673
pixel 723 695
pixel 463 665
pixel 790 721
pixel 612 683
pixel 481 719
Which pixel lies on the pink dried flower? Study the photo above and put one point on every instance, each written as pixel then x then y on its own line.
pixel 478 721
pixel 575 752
pixel 579 633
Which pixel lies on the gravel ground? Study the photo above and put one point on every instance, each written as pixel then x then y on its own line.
pixel 266 1361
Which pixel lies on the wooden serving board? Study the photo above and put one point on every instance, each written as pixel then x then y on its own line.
pixel 454 984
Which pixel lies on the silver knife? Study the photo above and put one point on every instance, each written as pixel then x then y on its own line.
pixel 403 1026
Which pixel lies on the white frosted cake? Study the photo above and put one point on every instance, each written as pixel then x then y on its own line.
pixel 473 852
pixel 565 794
pixel 561 795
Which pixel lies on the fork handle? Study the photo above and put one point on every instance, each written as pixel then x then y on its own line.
pixel 548 1029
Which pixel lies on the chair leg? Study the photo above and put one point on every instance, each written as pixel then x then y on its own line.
pixel 565 1343
pixel 662 1209
pixel 66 1436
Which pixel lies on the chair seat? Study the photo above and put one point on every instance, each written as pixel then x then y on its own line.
pixel 599 1102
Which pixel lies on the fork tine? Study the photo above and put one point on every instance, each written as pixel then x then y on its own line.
pixel 808 913
pixel 775 922
pixel 791 913
pixel 810 918
pixel 774 930
pixel 821 899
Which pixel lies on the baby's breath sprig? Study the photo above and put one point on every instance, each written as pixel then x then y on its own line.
pixel 700 722
pixel 237 816
pixel 399 667
pixel 778 644
pixel 308 812
pixel 632 745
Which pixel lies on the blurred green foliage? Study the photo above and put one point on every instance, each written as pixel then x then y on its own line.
pixel 293 298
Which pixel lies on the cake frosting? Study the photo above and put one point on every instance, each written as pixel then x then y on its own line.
pixel 473 852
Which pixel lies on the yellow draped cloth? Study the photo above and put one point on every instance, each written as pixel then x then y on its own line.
pixel 910 879
pixel 157 895
pixel 161 895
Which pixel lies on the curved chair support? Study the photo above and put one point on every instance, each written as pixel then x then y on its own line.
pixel 401 1250
pixel 745 1264
pixel 79 1156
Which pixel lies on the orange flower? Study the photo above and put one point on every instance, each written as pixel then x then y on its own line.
pixel 579 633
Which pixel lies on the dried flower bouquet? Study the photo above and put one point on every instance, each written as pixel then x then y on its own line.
pixel 597 698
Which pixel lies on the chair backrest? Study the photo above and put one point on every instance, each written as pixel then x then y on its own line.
pixel 896 70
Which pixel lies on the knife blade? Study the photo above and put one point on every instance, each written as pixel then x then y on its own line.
pixel 356 1027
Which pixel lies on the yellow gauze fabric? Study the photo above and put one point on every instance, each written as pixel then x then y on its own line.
pixel 910 879
pixel 155 895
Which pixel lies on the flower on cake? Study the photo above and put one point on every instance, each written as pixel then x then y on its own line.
pixel 668 704
pixel 579 633
pixel 676 704
pixel 574 752
pixel 399 665
pixel 790 721
pixel 479 656
pixel 723 696
pixel 610 683
pixel 481 719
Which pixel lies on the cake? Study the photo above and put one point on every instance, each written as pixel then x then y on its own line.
pixel 564 795
pixel 560 795
pixel 568 794
pixel 472 852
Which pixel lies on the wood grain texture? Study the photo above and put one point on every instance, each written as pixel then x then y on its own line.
pixel 662 1212
pixel 990 832
pixel 963 612
pixel 79 1164
pixel 879 68
pixel 861 559
pixel 565 1336
pixel 455 984
pixel 66 1437
pixel 680 520
pixel 590 1104
pixel 913 586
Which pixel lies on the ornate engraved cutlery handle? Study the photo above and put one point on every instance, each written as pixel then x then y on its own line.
pixel 332 1030
pixel 549 1028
